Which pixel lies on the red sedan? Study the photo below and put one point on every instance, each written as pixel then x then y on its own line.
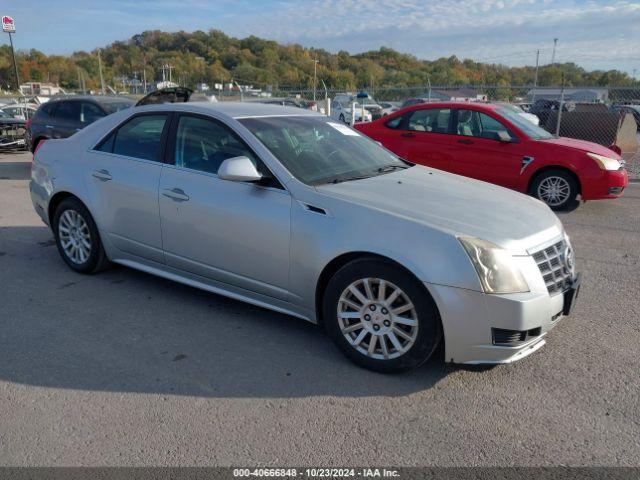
pixel 497 145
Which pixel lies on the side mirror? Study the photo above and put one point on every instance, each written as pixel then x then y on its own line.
pixel 239 169
pixel 504 136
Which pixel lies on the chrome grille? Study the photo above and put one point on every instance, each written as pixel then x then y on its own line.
pixel 556 266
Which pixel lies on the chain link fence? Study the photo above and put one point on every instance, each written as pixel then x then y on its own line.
pixel 609 116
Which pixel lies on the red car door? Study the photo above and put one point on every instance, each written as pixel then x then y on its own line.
pixel 420 136
pixel 482 149
pixel 425 137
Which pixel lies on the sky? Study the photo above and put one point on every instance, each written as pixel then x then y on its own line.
pixel 595 34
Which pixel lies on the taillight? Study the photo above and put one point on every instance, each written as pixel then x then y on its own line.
pixel 28 124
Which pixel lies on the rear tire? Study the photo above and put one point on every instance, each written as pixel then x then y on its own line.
pixel 372 298
pixel 557 188
pixel 77 237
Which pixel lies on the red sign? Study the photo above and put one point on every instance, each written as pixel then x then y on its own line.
pixel 8 25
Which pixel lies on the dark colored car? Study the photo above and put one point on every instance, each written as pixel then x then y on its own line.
pixel 543 109
pixel 61 118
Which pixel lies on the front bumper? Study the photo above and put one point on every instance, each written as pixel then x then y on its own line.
pixel 470 319
pixel 609 184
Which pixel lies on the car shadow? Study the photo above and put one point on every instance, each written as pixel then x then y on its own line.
pixel 127 331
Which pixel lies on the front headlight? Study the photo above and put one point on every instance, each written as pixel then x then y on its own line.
pixel 605 163
pixel 496 268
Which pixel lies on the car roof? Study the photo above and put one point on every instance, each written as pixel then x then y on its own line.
pixel 233 109
pixel 95 98
pixel 472 105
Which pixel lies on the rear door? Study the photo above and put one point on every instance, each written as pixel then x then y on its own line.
pixel 122 175
pixel 66 119
pixel 479 152
pixel 421 136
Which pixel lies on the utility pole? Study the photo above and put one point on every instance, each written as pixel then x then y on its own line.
pixel 429 83
pixel 144 78
pixel 79 78
pixel 15 65
pixel 102 87
pixel 9 27
pixel 315 77
pixel 553 55
pixel 535 77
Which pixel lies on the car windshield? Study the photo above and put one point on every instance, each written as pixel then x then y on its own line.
pixel 317 150
pixel 113 107
pixel 531 130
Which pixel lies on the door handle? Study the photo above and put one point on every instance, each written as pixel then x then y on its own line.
pixel 175 194
pixel 408 135
pixel 466 142
pixel 103 175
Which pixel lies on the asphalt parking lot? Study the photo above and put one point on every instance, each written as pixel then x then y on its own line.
pixel 123 368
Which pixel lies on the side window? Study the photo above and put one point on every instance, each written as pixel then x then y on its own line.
pixel 203 145
pixel 68 112
pixel 47 109
pixel 476 124
pixel 394 122
pixel 140 137
pixel 90 112
pixel 435 120
pixel 107 144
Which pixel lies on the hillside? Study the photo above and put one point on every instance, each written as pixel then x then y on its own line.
pixel 214 57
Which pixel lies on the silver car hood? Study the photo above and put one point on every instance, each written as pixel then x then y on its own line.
pixel 455 204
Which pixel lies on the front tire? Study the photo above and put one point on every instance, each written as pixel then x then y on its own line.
pixel 77 237
pixel 380 316
pixel 557 188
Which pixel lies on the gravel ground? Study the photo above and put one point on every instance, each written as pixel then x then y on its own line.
pixel 123 368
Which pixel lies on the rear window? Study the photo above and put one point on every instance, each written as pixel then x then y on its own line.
pixel 46 110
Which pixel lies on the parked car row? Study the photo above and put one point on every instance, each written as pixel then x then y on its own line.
pixel 294 211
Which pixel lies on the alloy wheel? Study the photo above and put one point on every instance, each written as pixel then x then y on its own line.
pixel 377 318
pixel 75 236
pixel 554 190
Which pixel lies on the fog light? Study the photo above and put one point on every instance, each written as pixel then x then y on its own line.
pixel 615 190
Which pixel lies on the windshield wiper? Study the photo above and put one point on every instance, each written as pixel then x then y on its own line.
pixel 349 179
pixel 391 168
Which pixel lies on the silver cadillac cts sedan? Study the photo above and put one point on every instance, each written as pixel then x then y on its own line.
pixel 292 211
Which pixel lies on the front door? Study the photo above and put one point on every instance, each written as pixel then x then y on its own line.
pixel 122 175
pixel 478 151
pixel 232 232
